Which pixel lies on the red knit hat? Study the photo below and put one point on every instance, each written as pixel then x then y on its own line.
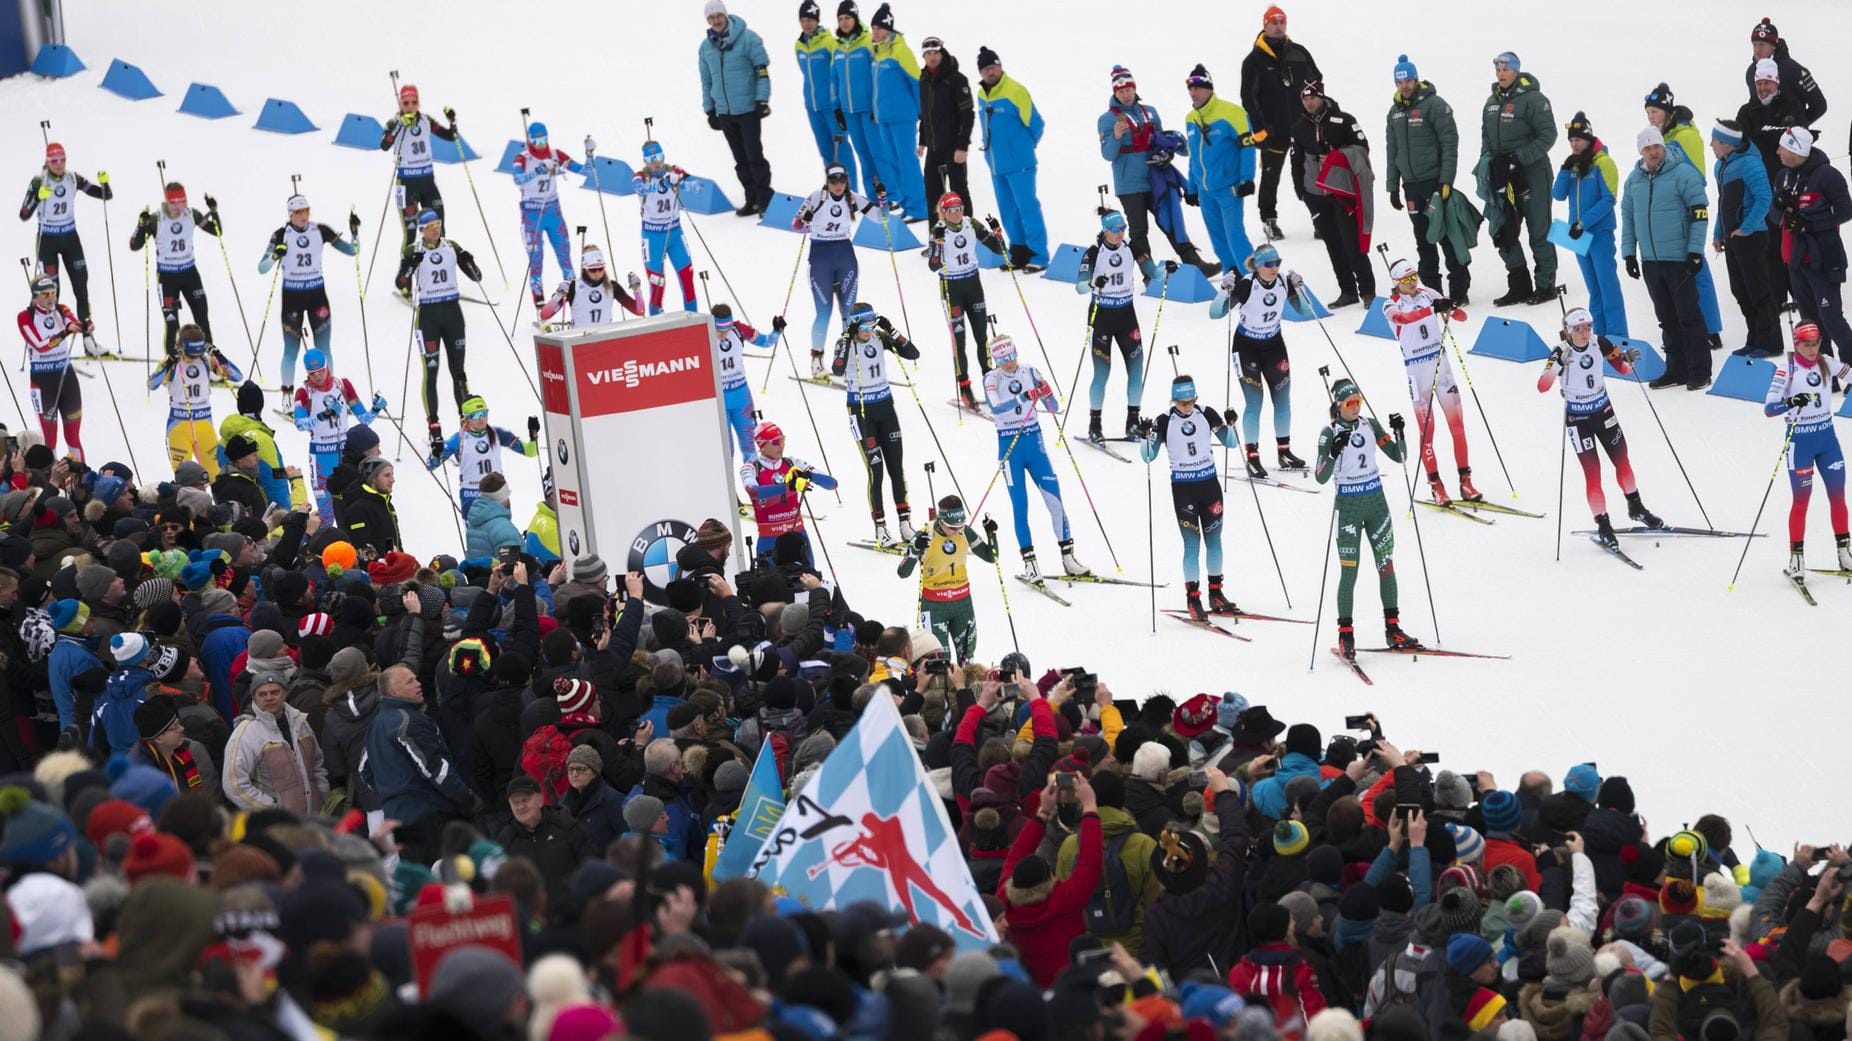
pixel 116 817
pixel 158 853
pixel 1679 897
pixel 395 567
pixel 1193 717
pixel 573 695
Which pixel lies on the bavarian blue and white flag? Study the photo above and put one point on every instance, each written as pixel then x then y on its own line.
pixel 760 807
pixel 870 826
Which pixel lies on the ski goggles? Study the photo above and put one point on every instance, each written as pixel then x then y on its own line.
pixel 480 414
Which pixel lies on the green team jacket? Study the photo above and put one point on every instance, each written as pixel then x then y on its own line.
pixel 1424 142
pixel 1518 123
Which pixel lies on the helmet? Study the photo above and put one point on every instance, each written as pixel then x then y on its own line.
pixel 429 217
pixel 1002 349
pixel 315 361
pixel 536 133
pixel 1577 317
pixel 652 151
pixel 951 201
pixel 861 314
pixel 297 203
pixel 767 432
pixel 194 343
pixel 1402 271
pixel 472 405
pixel 1112 220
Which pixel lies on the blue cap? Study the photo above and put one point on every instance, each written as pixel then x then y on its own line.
pixel 860 315
pixel 315 361
pixel 194 344
pixel 1266 254
pixel 1183 388
pixel 1112 220
pixel 1405 69
pixel 1509 60
pixel 428 217
pixel 536 131
pixel 1583 780
pixel 652 151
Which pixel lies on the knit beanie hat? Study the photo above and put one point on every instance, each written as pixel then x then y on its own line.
pixel 1615 794
pixel 1568 958
pixel 157 853
pixel 1466 952
pixel 1303 908
pixel 1030 871
pixel 1721 896
pixel 35 833
pixel 1634 919
pixel 1405 69
pixel 1290 838
pixel 1394 895
pixel 1483 1007
pixel 1360 903
pixel 642 812
pixel 1468 847
pixel 1678 897
pixel 1521 909
pixel 1582 780
pixel 1451 791
pixel 1501 811
pixel 1268 923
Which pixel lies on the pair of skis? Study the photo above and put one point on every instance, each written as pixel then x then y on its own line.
pixel 1357 669
pixel 1800 584
pixel 1235 618
pixel 1470 509
pixel 1670 531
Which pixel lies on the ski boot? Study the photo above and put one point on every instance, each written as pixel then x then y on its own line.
pixel 1439 489
pixel 1193 600
pixel 1604 533
pixel 905 522
pixel 882 538
pixel 1637 510
pixel 1218 603
pixel 1845 552
pixel 1255 470
pixel 1131 423
pixel 1398 640
pixel 91 347
pixel 289 399
pixel 1271 225
pixel 1070 563
pixel 1345 299
pixel 817 371
pixel 1031 571
pixel 966 398
pixel 1289 461
pixel 1797 565
pixel 1094 433
pixel 1347 640
pixel 1467 491
pixel 1517 288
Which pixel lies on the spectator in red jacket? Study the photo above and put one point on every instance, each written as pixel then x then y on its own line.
pixel 1044 914
pixel 1503 814
pixel 1273 970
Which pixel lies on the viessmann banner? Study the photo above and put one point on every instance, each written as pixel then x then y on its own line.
pixel 637 439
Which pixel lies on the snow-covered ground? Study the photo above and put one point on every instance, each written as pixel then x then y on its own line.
pixel 1661 674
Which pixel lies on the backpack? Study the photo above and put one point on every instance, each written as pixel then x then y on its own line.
pixel 1424 999
pixel 543 757
pixel 1113 907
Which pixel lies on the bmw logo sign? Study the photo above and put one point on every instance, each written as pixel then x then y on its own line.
pixel 1015 386
pixel 560 450
pixel 572 541
pixel 1270 299
pixel 1188 428
pixel 1356 439
pixel 1588 361
pixel 302 242
pixel 654 548
pixel 948 547
pixel 177 228
pixel 1813 378
pixel 596 297
pixel 958 241
pixel 1115 260
pixel 869 350
pixel 482 445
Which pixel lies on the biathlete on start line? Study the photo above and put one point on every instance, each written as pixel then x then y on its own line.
pixel 432 266
pixel 776 484
pixel 47 327
pixel 1347 450
pixel 188 376
pixel 827 217
pixel 1011 390
pixel 872 418
pixel 52 195
pixel 953 254
pixel 1188 434
pixel 297 247
pixel 477 448
pixel 1588 416
pixel 536 170
pixel 1106 272
pixel 408 135
pixel 1260 299
pixel 730 338
pixel 659 195
pixel 1419 316
pixel 171 231
pixel 593 297
pixel 321 409
pixel 941 549
pixel 1803 391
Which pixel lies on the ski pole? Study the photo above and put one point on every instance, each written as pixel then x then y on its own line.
pixel 786 309
pixel 414 345
pixel 231 277
pixel 1170 266
pixel 1562 467
pixel 392 189
pixel 707 301
pixel 1228 391
pixel 1073 386
pixel 1324 576
pixel 512 349
pixel 951 332
pixel 488 233
pixel 1420 546
pixel 591 160
pixel 24 423
pixel 1151 546
pixel 822 543
pixel 1673 448
pixel 1254 490
pixel 1325 370
pixel 1003 586
pixel 147 316
pixel 1786 440
pixel 887 232
pixel 1002 461
pixel 366 339
pixel 109 254
pixel 927 419
pixel 456 512
pixel 812 416
pixel 263 323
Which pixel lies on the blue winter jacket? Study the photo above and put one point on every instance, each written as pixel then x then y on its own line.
pixel 1590 199
pixel 1743 193
pixel 113 724
pixel 816 56
pixel 70 657
pixel 1269 796
pixel 1129 155
pixel 735 73
pixel 1012 127
pixel 897 82
pixel 490 528
pixel 221 639
pixel 684 837
pixel 853 72
pixel 1660 211
pixel 408 764
pixel 1218 159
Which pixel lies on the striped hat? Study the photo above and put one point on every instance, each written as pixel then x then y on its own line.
pixel 1468 846
pixel 1290 838
pixel 1482 1008
pixel 573 695
pixel 317 624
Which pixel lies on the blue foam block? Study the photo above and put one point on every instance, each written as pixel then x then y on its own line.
pixel 701 195
pixel 896 235
pixel 1510 340
pixel 1064 265
pixel 207 102
pixel 1846 408
pixel 128 81
pixel 358 131
pixel 1745 379
pixel 457 151
pixel 1308 310
pixel 57 61
pixel 1186 285
pixel 989 259
pixel 1650 366
pixel 1375 323
pixel 610 176
pixel 512 149
pixel 283 117
pixel 781 211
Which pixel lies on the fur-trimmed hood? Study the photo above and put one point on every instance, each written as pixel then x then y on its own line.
pixel 1554 1012
pixel 1017 897
pixel 1814 1013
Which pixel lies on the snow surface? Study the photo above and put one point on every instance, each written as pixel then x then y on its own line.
pixel 1660 674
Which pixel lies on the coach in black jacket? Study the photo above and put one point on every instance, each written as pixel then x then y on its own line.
pixel 946 115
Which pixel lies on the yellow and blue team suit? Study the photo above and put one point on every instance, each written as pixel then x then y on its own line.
pixel 816 58
pixel 897 124
pixel 188 378
pixel 1012 129
pixel 852 73
pixel 1221 172
pixel 1588 183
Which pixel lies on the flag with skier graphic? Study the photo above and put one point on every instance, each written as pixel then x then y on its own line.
pixel 870 826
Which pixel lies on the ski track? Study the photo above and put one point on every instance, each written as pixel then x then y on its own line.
pixel 1626 664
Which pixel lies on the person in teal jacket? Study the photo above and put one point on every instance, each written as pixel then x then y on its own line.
pixel 1664 214
pixel 1221 167
pixel 1674 122
pixel 897 115
pixel 852 71
pixel 1587 182
pixel 816 56
pixel 736 94
pixel 1012 129
pixel 1131 137
pixel 1740 233
pixel 491 526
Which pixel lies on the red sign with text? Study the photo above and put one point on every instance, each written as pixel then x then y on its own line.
pixel 645 371
pixel 434 931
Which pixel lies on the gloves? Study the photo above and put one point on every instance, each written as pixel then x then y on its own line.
pixel 713 121
pixel 591 146
pixel 1295 280
pixel 1190 199
pixel 102 177
pixel 437 447
pixel 565 286
pixel 1040 390
pixel 212 204
pixel 1229 416
pixel 1100 282
pixel 147 222
pixel 841 123
pixel 884 325
pixel 921 539
pixel 633 282
pixel 1458 315
pixel 990 529
pixel 533 428
pixel 1395 423
pixel 44 192
pixel 880 193
pixel 1446 191
pixel 1170 267
pixel 353 223
pixel 1575 230
pixel 1145 426
pixel 1799 401
pixel 304 423
pixel 1633 267
pixel 765 109
pixel 1630 355
pixel 798 225
pixel 778 323
pixel 451 114
pixel 1694 262
pixel 1395 198
pixel 279 250
pixel 996 227
pixel 407 118
pixel 1229 278
pixel 1246 188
